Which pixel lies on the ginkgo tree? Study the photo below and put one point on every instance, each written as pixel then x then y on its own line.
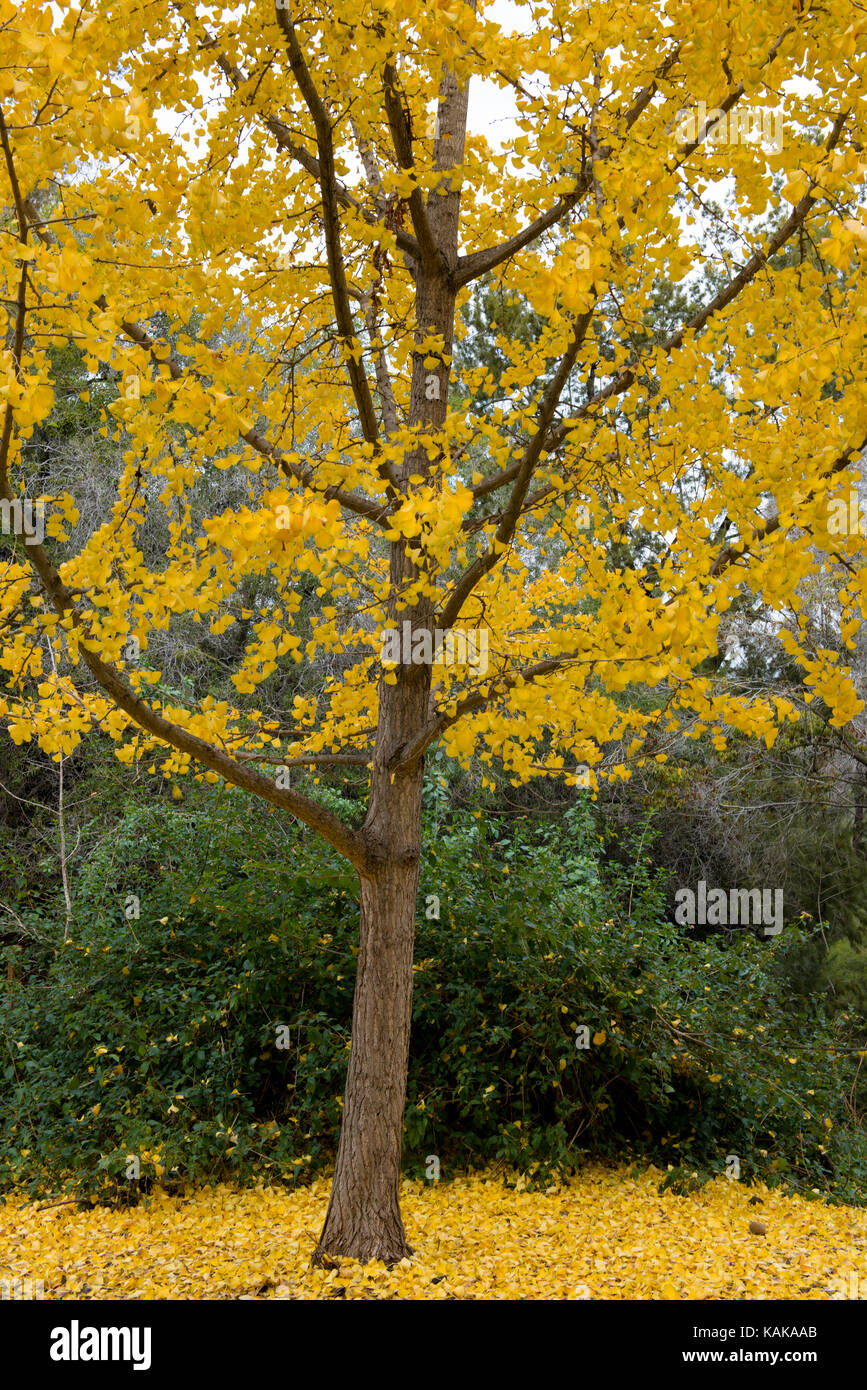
pixel 297 196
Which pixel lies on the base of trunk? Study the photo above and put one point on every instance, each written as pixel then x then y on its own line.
pixel 363 1220
pixel 381 1240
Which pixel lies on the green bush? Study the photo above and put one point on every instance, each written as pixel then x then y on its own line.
pixel 158 1036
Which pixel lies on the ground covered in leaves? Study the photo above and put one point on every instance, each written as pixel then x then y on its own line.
pixel 604 1235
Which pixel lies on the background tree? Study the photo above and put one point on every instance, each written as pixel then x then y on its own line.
pixel 268 181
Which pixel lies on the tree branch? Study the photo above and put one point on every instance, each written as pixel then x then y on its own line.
pixel 733 553
pixel 340 836
pixel 346 841
pixel 351 501
pixel 162 356
pixel 401 136
pixel 409 753
pixel 627 375
pixel 480 262
pixel 328 759
pixel 336 270
pixel 296 151
pixel 524 472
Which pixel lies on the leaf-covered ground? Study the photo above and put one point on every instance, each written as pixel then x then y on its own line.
pixel 605 1235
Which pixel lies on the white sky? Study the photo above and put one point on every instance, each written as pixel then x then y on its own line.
pixel 492 109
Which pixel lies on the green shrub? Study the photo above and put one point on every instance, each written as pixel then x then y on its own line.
pixel 157 1036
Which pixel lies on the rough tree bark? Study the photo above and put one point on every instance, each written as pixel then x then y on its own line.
pixel 363 1217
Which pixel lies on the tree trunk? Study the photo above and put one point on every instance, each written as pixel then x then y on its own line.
pixel 363 1219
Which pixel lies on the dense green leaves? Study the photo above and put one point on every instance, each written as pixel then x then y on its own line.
pixel 208 1036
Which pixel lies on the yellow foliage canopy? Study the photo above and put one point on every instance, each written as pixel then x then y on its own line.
pixel 238 221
